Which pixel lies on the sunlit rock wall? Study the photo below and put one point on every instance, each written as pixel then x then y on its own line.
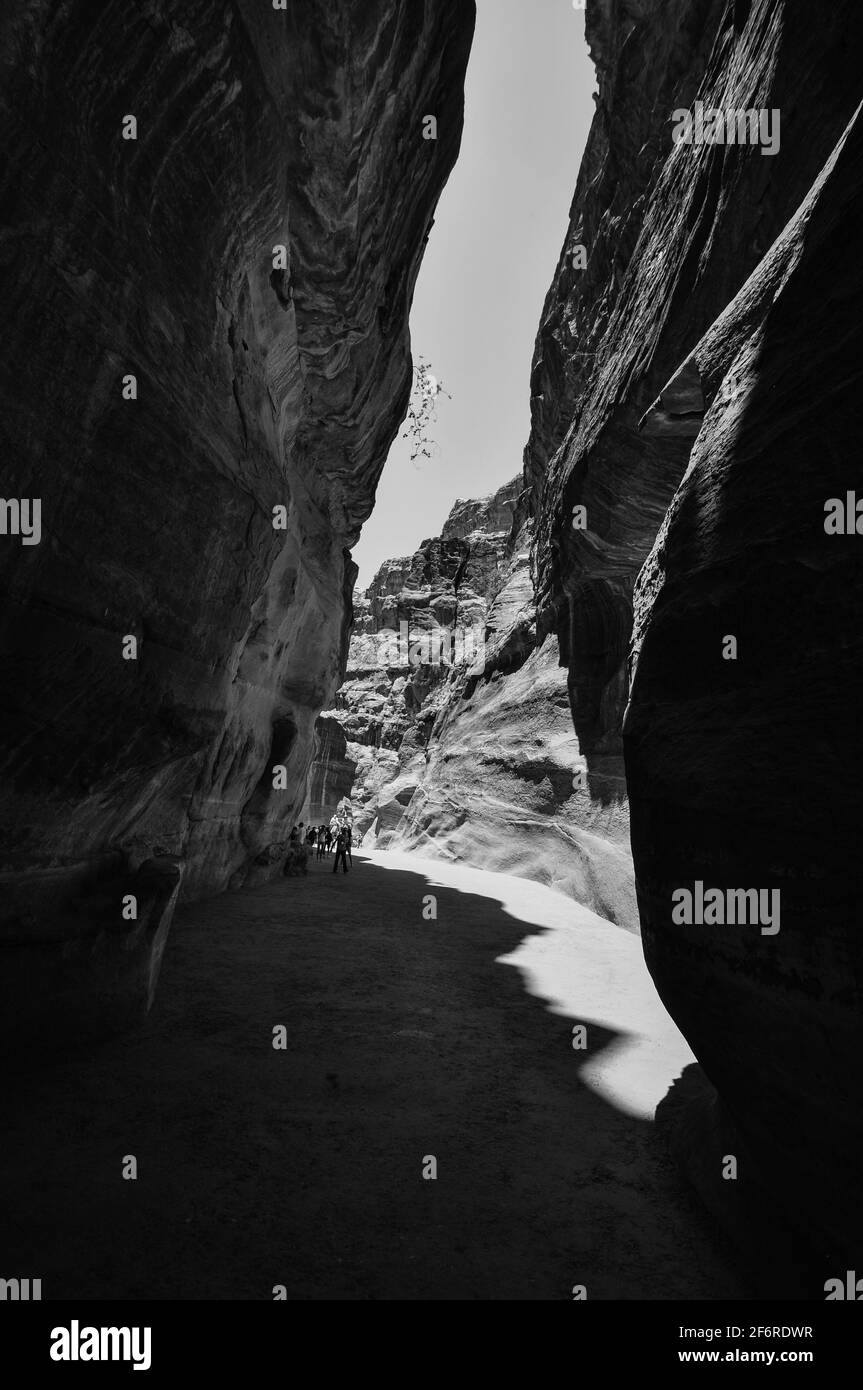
pixel 473 757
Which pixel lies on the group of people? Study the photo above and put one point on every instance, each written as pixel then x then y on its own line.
pixel 324 838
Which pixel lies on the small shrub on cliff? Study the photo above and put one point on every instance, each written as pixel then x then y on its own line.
pixel 422 411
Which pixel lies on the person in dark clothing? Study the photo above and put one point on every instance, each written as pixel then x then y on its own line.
pixel 341 851
pixel 292 864
pixel 349 834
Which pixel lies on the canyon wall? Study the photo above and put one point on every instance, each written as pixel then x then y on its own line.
pixel 418 629
pixel 695 388
pixel 203 417
pixel 331 778
pixel 458 719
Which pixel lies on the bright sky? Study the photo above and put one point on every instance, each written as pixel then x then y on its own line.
pixel 497 236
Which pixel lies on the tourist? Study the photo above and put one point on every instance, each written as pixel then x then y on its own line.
pixel 302 852
pixel 341 851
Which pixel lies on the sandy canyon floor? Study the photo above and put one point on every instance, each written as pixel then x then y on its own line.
pixel 407 1038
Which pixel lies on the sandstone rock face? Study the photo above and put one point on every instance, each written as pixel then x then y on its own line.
pixel 332 774
pixel 257 386
pixel 419 626
pixel 707 361
pixel 499 788
pixel 745 772
pixel 96 966
pixel 473 756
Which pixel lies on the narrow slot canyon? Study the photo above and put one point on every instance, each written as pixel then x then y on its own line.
pixel 429 830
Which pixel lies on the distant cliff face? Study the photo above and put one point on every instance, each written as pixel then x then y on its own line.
pixel 332 775
pixel 418 628
pixel 696 390
pixel 204 361
pixel 459 722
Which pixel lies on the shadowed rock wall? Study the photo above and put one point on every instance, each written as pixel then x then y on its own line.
pixel 746 772
pixel 720 305
pixel 258 387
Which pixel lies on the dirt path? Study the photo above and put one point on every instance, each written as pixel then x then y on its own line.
pixel 303 1167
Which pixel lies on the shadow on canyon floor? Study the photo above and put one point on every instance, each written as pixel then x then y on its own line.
pixel 303 1167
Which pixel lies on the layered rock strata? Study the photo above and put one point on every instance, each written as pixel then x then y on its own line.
pixel 695 390
pixel 332 774
pixel 418 628
pixel 205 359
pixel 458 718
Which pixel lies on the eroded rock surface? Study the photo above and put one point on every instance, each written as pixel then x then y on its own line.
pixel 332 774
pixel 746 771
pixel 708 361
pixel 418 629
pixel 257 387
pixel 459 723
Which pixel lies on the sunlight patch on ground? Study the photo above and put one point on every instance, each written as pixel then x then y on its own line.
pixel 586 969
